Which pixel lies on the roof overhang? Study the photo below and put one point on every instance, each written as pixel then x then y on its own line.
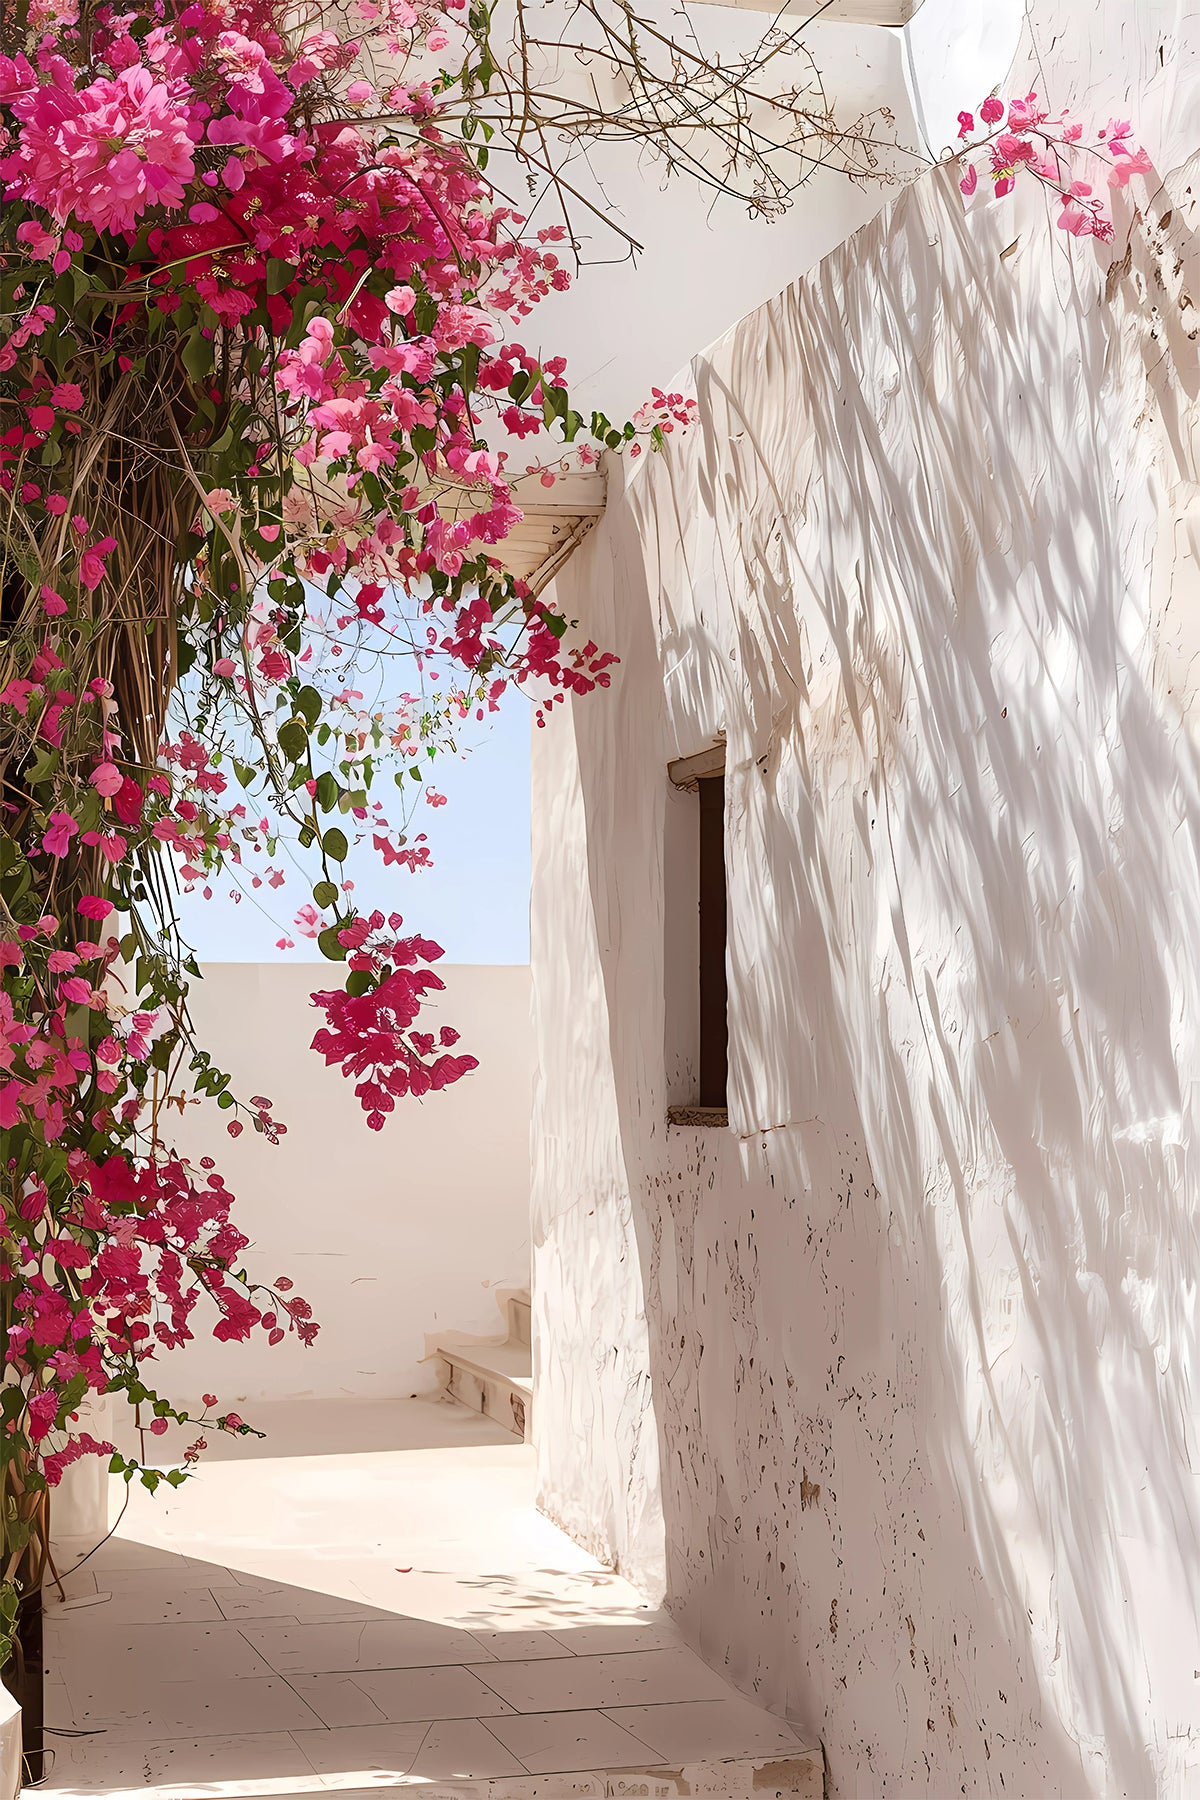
pixel 842 12
pixel 556 520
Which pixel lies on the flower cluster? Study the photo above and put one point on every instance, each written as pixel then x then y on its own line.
pixel 369 1023
pixel 1021 136
pixel 109 1239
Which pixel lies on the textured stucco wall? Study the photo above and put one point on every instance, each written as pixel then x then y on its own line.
pixel 891 1388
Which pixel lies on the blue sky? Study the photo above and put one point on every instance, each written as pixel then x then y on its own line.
pixel 474 901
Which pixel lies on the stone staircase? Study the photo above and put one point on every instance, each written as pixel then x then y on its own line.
pixel 494 1377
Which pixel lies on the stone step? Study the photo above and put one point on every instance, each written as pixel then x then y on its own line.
pixel 496 1379
pixel 798 1775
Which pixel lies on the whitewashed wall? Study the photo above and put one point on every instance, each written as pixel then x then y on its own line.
pixel 892 1388
pixel 391 1235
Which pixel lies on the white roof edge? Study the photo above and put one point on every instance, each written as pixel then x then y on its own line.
pixel 841 12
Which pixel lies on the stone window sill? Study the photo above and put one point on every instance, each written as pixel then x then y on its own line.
pixel 698 1115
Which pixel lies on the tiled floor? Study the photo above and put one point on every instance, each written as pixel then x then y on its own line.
pixel 372 1619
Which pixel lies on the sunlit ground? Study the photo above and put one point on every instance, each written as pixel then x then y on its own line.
pixel 323 1614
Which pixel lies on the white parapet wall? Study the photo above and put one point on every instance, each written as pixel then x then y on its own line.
pixel 391 1235
pixel 890 1386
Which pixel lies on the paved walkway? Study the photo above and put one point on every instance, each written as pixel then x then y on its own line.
pixel 291 1624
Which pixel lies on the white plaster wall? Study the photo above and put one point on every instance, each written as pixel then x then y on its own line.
pixel 891 1388
pixel 391 1235
pixel 630 321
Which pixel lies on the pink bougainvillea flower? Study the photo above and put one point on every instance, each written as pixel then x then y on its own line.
pixel 103 154
pixel 1127 164
pixel 94 906
pixel 40 242
pixel 111 845
pixel 56 839
pixel 107 779
pixel 91 564
pixel 970 181
pixel 129 801
pixel 53 603
pixel 992 110
pixel 67 396
pixel 43 1410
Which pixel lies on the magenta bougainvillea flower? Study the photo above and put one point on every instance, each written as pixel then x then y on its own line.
pixel 102 154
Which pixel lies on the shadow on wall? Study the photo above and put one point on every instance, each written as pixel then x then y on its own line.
pixel 922 1344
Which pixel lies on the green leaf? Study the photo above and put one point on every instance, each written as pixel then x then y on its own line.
pixel 327 944
pixel 308 705
pixel 325 894
pixel 45 766
pixel 197 356
pixel 293 740
pixel 334 844
pixel 279 274
pixel 359 981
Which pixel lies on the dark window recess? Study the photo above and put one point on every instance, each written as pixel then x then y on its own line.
pixel 714 998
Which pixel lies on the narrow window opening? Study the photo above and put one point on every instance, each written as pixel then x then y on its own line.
pixel 696 991
pixel 714 996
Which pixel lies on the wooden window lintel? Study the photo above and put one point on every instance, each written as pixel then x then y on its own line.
pixel 686 771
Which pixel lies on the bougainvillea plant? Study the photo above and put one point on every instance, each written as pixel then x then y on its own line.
pixel 257 360
pixel 254 302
